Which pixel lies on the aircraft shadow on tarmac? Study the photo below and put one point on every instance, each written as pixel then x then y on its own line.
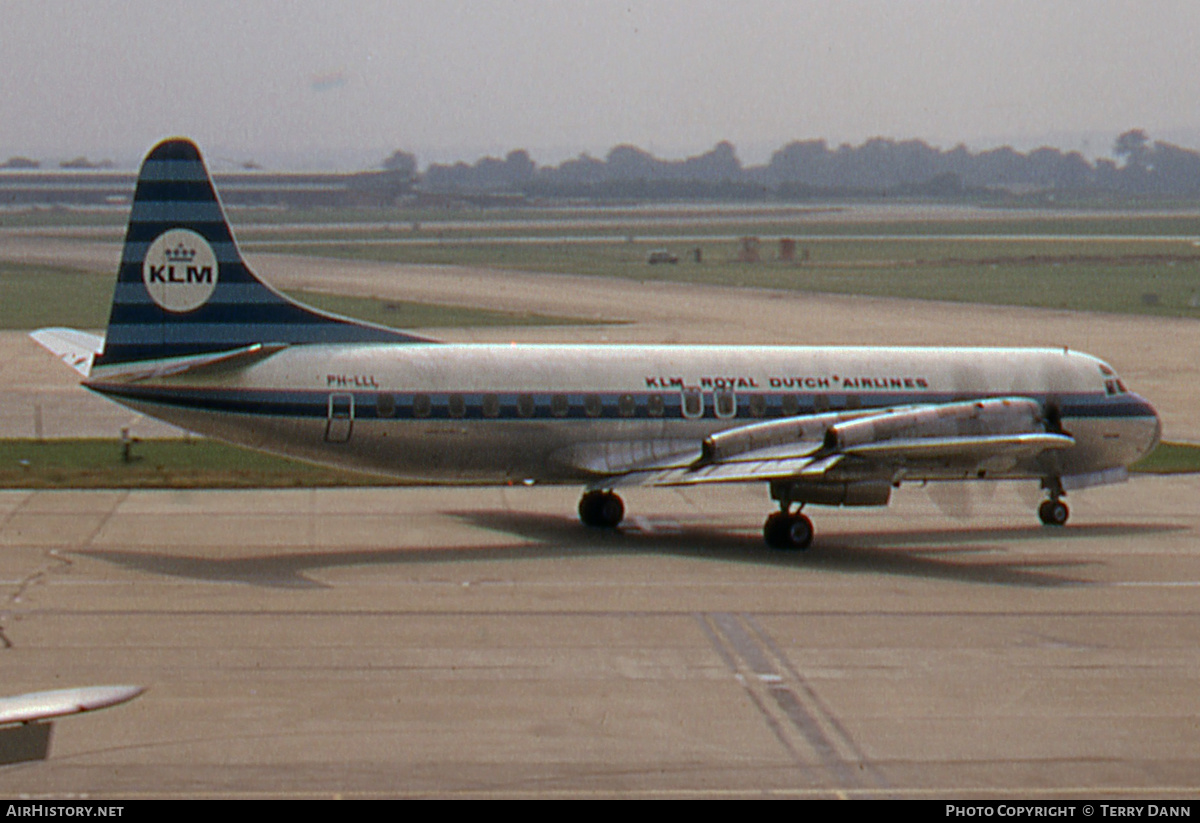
pixel 969 555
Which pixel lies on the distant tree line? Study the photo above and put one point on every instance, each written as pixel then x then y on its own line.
pixel 811 169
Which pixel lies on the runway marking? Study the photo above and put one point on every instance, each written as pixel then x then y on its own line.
pixel 792 709
pixel 647 525
pixel 1166 584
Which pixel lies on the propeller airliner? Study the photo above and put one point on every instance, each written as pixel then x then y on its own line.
pixel 196 339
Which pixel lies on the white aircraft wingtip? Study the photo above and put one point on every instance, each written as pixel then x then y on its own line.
pixel 27 708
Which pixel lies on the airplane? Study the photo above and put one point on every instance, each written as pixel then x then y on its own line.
pixel 195 338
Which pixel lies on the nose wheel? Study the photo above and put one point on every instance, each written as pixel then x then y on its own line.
pixel 601 509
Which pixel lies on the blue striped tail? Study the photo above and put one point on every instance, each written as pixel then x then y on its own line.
pixel 183 288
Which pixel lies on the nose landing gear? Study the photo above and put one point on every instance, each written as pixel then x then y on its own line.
pixel 1053 512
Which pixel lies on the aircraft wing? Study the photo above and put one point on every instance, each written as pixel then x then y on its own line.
pixel 28 708
pixel 995 433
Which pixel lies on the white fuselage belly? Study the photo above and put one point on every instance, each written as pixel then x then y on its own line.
pixel 572 414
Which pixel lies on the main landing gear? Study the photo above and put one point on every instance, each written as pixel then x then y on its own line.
pixel 601 509
pixel 1053 512
pixel 788 530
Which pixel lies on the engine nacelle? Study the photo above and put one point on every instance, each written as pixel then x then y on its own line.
pixel 975 418
pixel 726 444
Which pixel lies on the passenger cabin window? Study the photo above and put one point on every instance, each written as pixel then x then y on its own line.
pixel 821 403
pixel 525 405
pixel 592 405
pixel 421 406
pixel 758 405
pixel 655 405
pixel 693 403
pixel 790 406
pixel 491 405
pixel 456 406
pixel 626 405
pixel 385 405
pixel 725 403
pixel 559 406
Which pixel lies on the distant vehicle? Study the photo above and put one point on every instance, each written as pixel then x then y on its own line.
pixel 196 339
pixel 661 256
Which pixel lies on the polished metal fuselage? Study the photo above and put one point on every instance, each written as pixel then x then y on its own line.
pixel 573 414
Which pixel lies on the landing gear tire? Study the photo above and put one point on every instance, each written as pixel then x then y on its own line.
pixel 601 509
pixel 1053 513
pixel 792 532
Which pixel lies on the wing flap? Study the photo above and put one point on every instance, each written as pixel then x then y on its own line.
pixel 733 472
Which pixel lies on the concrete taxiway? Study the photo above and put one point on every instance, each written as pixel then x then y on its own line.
pixel 479 642
pixel 462 642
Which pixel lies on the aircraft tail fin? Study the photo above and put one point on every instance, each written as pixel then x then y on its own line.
pixel 183 288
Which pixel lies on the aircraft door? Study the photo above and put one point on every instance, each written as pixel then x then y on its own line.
pixel 340 420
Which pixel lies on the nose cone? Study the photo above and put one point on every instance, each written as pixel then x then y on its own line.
pixel 1152 427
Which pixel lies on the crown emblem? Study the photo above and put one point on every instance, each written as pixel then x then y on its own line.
pixel 180 254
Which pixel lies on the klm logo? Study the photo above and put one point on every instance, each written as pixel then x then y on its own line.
pixel 180 271
pixel 172 274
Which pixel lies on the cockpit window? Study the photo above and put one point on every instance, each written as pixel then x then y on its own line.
pixel 1112 383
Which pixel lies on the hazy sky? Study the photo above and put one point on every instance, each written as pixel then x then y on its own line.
pixel 318 83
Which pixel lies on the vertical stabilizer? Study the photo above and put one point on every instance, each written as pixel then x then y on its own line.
pixel 183 288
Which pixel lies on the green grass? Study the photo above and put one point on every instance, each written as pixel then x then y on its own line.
pixel 1170 458
pixel 33 296
pixel 209 464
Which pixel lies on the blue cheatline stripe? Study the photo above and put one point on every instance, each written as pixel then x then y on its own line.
pixel 154 170
pixel 141 235
pixel 314 403
pixel 175 190
pixel 181 211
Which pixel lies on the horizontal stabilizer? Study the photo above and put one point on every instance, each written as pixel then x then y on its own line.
pixel 75 348
pixel 217 362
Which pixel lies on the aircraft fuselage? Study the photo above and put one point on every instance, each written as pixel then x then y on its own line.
pixel 570 414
